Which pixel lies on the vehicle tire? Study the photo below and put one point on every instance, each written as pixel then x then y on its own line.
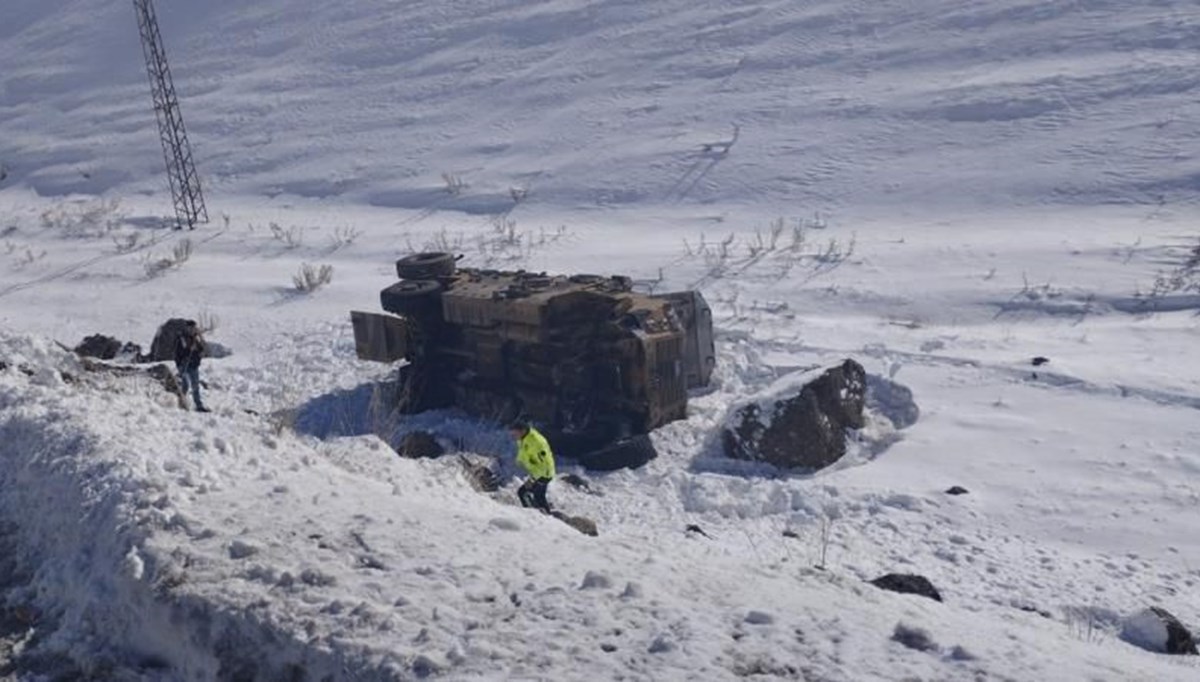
pixel 411 297
pixel 627 453
pixel 427 265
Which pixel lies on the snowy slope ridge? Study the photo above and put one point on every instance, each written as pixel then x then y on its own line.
pixel 88 506
pixel 595 104
pixel 172 545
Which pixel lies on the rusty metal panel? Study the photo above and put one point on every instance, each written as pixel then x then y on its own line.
pixel 379 338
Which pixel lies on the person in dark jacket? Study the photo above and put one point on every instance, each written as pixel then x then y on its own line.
pixel 189 349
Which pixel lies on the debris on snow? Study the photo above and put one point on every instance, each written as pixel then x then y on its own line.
pixel 907 584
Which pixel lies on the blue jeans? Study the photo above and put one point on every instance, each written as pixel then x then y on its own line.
pixel 191 377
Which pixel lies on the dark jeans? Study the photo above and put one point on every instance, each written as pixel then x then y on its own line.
pixel 532 493
pixel 190 377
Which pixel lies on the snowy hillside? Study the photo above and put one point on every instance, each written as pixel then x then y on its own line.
pixel 892 103
pixel 942 190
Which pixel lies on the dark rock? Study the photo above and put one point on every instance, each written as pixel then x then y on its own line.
pixel 958 653
pixel 1156 629
pixel 1179 640
pixel 420 444
pixel 162 348
pixel 913 638
pixel 1028 608
pixel 577 482
pixel 1039 361
pixel 99 346
pixel 907 584
pixel 482 477
pixel 956 490
pixel 807 430
pixel 580 523
pixel 693 528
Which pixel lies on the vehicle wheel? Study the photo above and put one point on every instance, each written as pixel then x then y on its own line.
pixel 427 265
pixel 411 297
pixel 627 453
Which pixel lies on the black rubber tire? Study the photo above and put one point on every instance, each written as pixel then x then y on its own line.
pixel 411 297
pixel 627 453
pixel 427 265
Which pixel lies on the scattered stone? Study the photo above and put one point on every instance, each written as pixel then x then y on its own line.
pixel 956 490
pixel 632 591
pixel 789 533
pixel 693 528
pixel 805 431
pixel 913 638
pixel 1156 629
pixel 595 581
pixel 482 477
pixel 1039 361
pixel 608 648
pixel 759 618
pixel 1028 608
pixel 578 482
pixel 100 347
pixel 420 445
pixel 907 584
pixel 580 523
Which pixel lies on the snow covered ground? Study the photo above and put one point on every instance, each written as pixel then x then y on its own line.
pixel 940 190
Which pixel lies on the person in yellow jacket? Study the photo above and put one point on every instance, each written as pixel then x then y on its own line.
pixel 536 458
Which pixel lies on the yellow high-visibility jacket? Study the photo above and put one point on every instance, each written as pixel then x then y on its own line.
pixel 534 455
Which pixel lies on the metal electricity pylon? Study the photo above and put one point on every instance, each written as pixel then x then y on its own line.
pixel 181 170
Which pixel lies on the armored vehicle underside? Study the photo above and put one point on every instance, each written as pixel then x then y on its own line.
pixel 585 358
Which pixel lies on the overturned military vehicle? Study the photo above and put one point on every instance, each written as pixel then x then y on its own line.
pixel 594 364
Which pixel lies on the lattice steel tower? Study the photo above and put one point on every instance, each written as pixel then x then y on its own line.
pixel 181 170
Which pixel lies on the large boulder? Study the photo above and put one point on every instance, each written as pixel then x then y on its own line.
pixel 806 430
pixel 1155 629
pixel 907 584
pixel 162 349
